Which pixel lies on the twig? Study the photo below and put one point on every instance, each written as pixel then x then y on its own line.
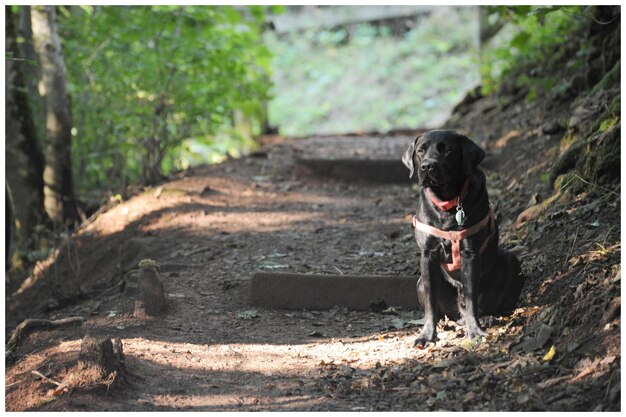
pixel 45 378
pixel 572 248
pixel 27 325
pixel 199 250
pixel 607 235
pixel 532 371
pixel 14 383
pixel 596 185
pixel 110 290
pixel 526 255
pixel 338 270
pixel 98 212
pixel 608 388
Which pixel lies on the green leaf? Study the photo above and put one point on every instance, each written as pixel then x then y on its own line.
pixel 542 11
pixel 520 40
pixel 179 71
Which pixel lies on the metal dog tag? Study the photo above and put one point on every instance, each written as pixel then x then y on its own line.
pixel 460 216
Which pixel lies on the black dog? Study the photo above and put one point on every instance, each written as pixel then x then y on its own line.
pixel 464 274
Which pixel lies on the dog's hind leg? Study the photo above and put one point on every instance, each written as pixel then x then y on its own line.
pixel 501 296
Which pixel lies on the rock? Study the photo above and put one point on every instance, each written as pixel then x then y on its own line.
pixel 208 191
pixel 612 310
pixel 580 114
pixel 551 128
pixel 528 214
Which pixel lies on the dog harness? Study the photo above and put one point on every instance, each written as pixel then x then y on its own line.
pixel 455 237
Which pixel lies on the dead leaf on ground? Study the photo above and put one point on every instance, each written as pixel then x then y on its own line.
pixel 248 315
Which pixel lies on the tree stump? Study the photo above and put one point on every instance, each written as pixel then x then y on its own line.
pixel 102 355
pixel 151 293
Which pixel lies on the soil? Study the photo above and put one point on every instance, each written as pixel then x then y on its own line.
pixel 210 228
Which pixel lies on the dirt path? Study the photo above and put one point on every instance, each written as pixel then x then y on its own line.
pixel 212 227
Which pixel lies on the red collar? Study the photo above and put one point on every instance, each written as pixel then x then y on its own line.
pixel 447 205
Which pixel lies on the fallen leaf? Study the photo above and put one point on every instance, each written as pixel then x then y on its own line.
pixel 587 366
pixel 247 315
pixel 443 364
pixel 398 323
pixel 536 342
pixel 442 395
pixel 550 355
pixel 45 401
pixel 522 398
pixel 60 390
pixel 468 344
pixel 608 360
pixel 390 310
pixel 272 265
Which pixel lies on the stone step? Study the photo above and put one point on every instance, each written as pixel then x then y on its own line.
pixel 278 290
pixel 353 170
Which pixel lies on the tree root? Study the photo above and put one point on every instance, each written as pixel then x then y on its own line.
pixel 28 325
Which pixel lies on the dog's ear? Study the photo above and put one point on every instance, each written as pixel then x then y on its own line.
pixel 472 154
pixel 408 158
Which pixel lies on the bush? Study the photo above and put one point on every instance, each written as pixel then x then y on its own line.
pixel 529 50
pixel 145 80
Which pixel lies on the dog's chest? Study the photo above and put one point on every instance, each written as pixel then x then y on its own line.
pixel 445 256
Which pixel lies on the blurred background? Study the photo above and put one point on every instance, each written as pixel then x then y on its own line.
pixel 104 100
pixel 346 69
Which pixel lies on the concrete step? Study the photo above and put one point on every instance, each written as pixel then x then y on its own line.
pixel 292 291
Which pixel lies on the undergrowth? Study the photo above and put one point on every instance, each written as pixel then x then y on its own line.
pixel 362 77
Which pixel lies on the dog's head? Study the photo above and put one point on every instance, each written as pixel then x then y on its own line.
pixel 441 158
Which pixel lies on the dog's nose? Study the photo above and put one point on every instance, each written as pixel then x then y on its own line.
pixel 427 166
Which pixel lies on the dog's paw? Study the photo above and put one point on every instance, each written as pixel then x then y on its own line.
pixel 423 339
pixel 475 332
pixel 488 321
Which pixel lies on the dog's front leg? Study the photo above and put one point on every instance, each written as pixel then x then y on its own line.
pixel 470 272
pixel 427 292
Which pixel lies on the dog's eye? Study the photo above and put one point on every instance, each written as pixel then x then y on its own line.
pixel 420 151
pixel 442 148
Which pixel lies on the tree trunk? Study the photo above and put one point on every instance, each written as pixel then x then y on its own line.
pixel 486 31
pixel 30 71
pixel 58 187
pixel 24 160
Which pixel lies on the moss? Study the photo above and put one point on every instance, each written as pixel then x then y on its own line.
pixel 608 123
pixel 600 163
pixel 615 107
pixel 566 161
pixel 148 264
pixel 564 181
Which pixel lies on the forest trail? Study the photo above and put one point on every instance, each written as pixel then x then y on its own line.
pixel 212 227
pixel 551 127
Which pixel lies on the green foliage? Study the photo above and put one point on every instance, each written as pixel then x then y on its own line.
pixel 362 78
pixel 537 41
pixel 145 81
